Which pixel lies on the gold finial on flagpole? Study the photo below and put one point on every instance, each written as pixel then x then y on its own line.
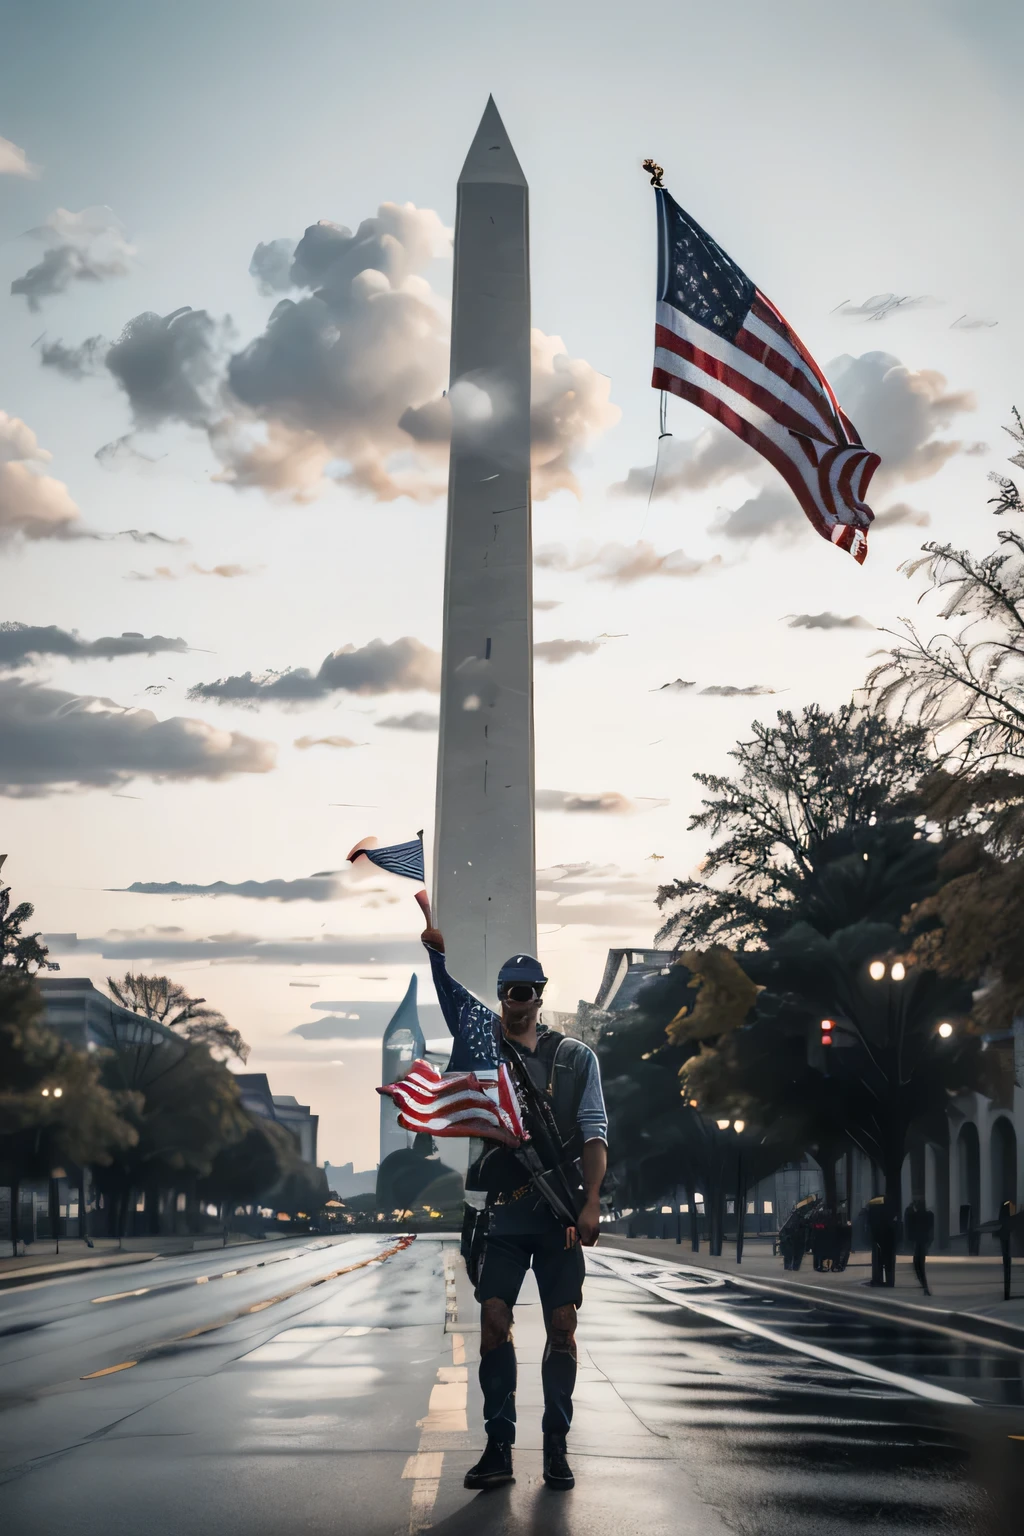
pixel 655 171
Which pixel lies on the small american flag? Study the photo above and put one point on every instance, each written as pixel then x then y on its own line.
pixel 457 1104
pixel 398 859
pixel 722 345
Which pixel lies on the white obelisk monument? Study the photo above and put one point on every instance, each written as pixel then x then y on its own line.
pixel 484 856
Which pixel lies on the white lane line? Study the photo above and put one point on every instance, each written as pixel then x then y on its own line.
pixel 622 1266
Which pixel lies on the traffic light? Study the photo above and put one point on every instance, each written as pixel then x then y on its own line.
pixel 827 1026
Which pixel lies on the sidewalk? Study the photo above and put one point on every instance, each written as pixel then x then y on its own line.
pixel 967 1293
pixel 42 1261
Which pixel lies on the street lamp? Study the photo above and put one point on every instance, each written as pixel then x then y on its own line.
pixel 898 970
pixel 876 970
pixel 723 1125
pixel 945 1030
pixel 739 1126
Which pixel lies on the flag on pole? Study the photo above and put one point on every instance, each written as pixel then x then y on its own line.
pixel 722 345
pixel 399 859
pixel 457 1104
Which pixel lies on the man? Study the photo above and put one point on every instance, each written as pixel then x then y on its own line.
pixel 919 1225
pixel 883 1226
pixel 523 1230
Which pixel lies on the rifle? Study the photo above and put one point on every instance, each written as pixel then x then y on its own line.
pixel 552 1183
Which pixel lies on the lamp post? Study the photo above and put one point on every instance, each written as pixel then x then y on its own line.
pixel 741 1190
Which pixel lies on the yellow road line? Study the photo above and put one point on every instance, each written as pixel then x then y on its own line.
pixel 109 1370
pixel 120 1295
pixel 261 1306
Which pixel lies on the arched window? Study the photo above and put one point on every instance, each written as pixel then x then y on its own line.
pixel 969 1166
pixel 1004 1163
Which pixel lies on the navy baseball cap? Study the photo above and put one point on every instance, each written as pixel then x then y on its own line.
pixel 521 968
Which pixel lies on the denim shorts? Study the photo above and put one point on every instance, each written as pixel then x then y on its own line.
pixel 559 1270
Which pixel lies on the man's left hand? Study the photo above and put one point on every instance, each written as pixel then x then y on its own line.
pixel 588 1224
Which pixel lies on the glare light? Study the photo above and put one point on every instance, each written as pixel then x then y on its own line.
pixel 876 970
pixel 827 1025
pixel 945 1030
pixel 57 1092
pixel 46 1093
pixel 723 1125
pixel 898 971
pixel 739 1125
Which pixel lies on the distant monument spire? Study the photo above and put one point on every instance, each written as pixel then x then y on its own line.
pixel 484 857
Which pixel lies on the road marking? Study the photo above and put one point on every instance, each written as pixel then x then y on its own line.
pixel 109 1370
pixel 120 1295
pixel 621 1265
pixel 260 1306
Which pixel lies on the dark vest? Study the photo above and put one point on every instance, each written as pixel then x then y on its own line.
pixel 556 1069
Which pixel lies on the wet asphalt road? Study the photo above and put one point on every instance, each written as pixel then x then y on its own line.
pixel 273 1400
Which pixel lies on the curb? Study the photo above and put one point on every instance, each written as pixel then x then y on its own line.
pixel 969 1325
pixel 11 1279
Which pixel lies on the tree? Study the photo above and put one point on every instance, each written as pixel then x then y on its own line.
pixel 967 687
pixel 186 1109
pixel 249 1169
pixel 166 1001
pixel 889 1068
pixel 20 951
pixel 811 789
pixel 54 1108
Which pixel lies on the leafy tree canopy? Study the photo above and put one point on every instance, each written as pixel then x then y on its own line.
pixel 166 1001
pixel 813 790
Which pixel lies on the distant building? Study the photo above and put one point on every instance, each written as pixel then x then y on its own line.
pixel 88 1020
pixel 258 1099
pixel 345 1180
pixel 625 972
pixel 302 1124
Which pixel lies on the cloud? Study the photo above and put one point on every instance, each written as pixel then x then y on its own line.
pixel 880 305
pixel 347 381
pixel 691 464
pixel 50 739
pixel 14 161
pixel 305 742
pixel 827 621
pixel 20 642
pixel 171 366
pixel 113 455
pixel 85 247
pixel 620 563
pixel 418 720
pixel 224 948
pixel 972 323
pixel 556 651
pixel 899 413
pixel 610 802
pixel 901 515
pixel 32 504
pixel 772 511
pixel 164 572
pixel 398 666
pixel 75 362
pixel 314 888
pixel 271 266
pixel 730 691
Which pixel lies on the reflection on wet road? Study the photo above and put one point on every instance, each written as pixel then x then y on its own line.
pixel 350 1405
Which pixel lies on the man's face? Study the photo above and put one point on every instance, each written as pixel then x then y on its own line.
pixel 518 1011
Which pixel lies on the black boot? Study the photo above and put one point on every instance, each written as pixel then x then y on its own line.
pixel 557 1472
pixel 494 1466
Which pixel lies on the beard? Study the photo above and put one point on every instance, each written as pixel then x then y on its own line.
pixel 517 1023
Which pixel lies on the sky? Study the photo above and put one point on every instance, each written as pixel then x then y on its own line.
pixel 238 498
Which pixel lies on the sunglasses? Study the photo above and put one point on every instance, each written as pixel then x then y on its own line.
pixel 521 992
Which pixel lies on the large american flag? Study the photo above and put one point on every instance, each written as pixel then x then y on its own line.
pixel 722 345
pixel 457 1104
